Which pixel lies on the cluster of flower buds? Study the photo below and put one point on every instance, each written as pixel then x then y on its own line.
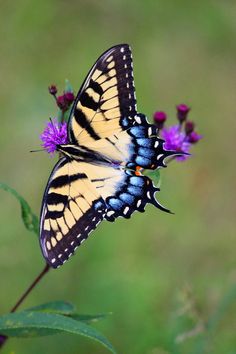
pixel 181 136
pixel 64 101
pixel 55 132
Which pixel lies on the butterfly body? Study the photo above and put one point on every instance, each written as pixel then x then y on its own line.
pixel 100 174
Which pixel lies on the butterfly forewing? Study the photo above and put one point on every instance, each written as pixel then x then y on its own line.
pixel 107 94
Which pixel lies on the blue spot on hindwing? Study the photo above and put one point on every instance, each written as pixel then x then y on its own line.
pixel 115 203
pixel 145 152
pixel 137 181
pixel 138 131
pixel 99 205
pixel 145 142
pixel 127 198
pixel 135 190
pixel 143 161
pixel 126 122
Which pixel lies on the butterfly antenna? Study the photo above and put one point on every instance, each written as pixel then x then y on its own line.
pixel 37 150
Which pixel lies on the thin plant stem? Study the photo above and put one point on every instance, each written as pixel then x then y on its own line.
pixel 31 287
pixel 3 338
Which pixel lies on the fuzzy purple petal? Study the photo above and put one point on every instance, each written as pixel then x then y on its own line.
pixel 175 140
pixel 54 134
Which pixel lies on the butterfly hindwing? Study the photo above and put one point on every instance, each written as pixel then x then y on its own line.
pixel 71 209
pixel 137 144
pixel 130 151
pixel 107 95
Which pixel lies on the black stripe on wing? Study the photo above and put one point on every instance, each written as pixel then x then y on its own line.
pixel 65 248
pixel 84 123
pixel 71 210
pixel 108 93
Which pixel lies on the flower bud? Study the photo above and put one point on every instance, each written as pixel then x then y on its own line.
pixel 159 119
pixel 69 97
pixel 52 90
pixel 189 127
pixel 62 103
pixel 193 137
pixel 182 112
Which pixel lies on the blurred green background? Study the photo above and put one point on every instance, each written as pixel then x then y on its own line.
pixel 160 275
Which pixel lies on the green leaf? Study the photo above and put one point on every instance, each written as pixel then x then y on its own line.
pixel 67 309
pixel 34 324
pixel 155 176
pixel 89 318
pixel 68 87
pixel 59 307
pixel 30 220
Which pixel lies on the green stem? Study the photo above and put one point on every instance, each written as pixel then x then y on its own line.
pixel 3 338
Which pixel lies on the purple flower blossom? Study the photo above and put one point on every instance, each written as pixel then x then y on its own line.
pixel 176 140
pixel 54 134
pixel 179 137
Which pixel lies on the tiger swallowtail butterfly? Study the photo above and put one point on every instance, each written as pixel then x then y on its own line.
pixel 99 175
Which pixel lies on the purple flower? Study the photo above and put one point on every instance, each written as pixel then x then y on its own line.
pixel 159 118
pixel 176 140
pixel 54 134
pixel 179 137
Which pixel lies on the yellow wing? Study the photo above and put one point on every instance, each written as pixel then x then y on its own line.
pixel 107 95
pixel 71 209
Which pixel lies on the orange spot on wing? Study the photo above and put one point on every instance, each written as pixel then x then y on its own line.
pixel 137 171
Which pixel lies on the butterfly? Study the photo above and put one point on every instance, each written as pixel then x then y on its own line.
pixel 99 176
